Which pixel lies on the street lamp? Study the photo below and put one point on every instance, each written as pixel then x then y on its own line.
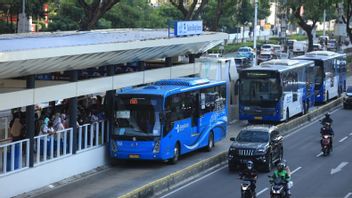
pixel 255 32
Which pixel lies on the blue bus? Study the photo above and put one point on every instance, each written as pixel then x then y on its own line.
pixel 168 118
pixel 330 76
pixel 276 92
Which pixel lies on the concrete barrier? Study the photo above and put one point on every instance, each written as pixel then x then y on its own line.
pixel 173 180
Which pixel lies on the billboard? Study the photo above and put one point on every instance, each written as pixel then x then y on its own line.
pixel 184 28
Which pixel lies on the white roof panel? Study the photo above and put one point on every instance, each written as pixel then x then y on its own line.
pixel 37 53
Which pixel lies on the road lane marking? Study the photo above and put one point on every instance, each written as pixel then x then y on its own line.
pixel 351 134
pixel 321 153
pixel 343 139
pixel 262 191
pixel 190 183
pixel 297 169
pixel 338 168
pixel 348 195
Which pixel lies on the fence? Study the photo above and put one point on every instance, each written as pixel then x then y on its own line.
pixel 14 156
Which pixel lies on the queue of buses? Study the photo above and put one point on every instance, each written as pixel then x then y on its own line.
pixel 172 117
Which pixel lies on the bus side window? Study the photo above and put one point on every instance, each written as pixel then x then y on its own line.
pixel 169 116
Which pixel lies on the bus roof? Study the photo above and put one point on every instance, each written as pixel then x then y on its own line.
pixel 280 66
pixel 170 86
pixel 286 62
pixel 319 55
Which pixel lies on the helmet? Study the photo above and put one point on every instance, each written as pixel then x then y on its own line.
pixel 327 115
pixel 280 166
pixel 250 165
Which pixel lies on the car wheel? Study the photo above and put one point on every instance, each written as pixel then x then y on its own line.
pixel 210 142
pixel 176 156
pixel 268 164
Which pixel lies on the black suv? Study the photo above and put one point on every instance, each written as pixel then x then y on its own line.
pixel 259 143
pixel 347 98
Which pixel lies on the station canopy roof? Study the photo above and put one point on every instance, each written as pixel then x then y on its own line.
pixel 38 53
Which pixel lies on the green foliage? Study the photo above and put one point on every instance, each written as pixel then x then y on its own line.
pixel 6 28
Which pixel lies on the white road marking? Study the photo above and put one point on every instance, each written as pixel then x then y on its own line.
pixel 348 195
pixel 351 134
pixel 190 183
pixel 297 169
pixel 262 191
pixel 321 153
pixel 338 168
pixel 343 139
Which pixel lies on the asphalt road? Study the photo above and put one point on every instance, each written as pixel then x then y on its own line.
pixel 314 176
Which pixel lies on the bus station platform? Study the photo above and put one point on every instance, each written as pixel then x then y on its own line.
pixel 126 176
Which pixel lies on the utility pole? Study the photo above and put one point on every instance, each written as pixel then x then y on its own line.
pixel 324 23
pixel 255 32
pixel 23 23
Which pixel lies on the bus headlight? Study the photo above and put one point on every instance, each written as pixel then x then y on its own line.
pixel 156 148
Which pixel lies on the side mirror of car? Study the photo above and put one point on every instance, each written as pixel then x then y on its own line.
pixel 232 139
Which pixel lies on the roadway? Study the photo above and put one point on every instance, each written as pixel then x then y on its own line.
pixel 313 174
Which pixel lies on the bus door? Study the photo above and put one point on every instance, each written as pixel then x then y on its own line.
pixel 195 114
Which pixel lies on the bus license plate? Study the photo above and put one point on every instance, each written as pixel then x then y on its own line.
pixel 258 118
pixel 133 156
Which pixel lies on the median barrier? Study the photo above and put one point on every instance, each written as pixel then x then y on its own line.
pixel 180 177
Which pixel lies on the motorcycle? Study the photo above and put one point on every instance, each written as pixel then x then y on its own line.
pixel 325 144
pixel 247 190
pixel 278 188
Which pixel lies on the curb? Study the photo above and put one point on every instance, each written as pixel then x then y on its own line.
pixel 170 182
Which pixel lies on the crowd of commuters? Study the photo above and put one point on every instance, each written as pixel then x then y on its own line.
pixel 55 117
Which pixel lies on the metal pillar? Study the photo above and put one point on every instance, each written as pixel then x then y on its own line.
pixel 73 113
pixel 30 84
pixel 168 62
pixel 109 105
pixel 191 58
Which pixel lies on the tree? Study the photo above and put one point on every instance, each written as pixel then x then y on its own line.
pixel 347 17
pixel 306 13
pixel 189 11
pixel 93 11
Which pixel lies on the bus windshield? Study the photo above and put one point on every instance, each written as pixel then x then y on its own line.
pixel 138 115
pixel 259 90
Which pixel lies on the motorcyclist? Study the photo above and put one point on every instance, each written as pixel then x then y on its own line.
pixel 327 119
pixel 281 172
pixel 287 168
pixel 250 174
pixel 327 130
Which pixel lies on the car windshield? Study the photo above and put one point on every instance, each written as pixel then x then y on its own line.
pixel 243 50
pixel 349 90
pixel 252 136
pixel 266 46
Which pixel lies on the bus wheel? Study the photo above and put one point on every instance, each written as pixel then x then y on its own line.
pixel 176 156
pixel 210 142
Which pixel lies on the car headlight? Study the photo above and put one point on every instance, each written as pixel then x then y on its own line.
pixel 260 151
pixel 232 149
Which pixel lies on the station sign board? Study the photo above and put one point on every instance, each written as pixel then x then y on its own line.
pixel 185 28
